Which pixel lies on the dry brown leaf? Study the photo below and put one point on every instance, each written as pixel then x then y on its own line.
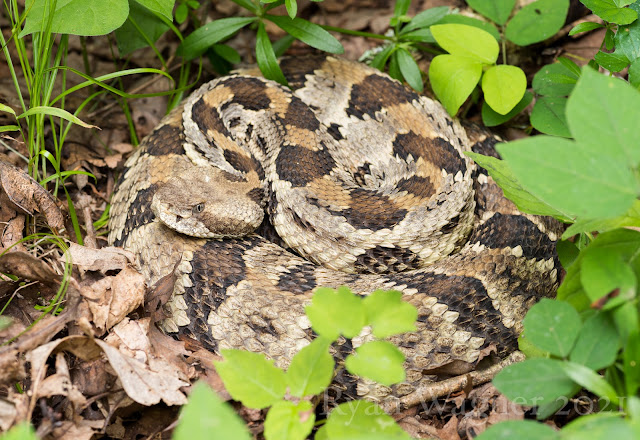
pixel 103 260
pixel 8 414
pixel 59 384
pixel 26 194
pixel 27 267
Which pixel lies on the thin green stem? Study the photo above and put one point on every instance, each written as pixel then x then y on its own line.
pixel 356 33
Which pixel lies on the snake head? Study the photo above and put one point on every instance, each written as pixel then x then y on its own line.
pixel 204 202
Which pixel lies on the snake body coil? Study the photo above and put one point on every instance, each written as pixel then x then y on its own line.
pixel 365 184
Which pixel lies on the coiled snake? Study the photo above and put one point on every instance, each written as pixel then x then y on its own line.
pixel 366 185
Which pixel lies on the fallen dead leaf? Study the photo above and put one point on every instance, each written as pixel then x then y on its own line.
pixel 28 267
pixel 102 260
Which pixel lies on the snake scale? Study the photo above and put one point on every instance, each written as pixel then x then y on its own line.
pixel 364 183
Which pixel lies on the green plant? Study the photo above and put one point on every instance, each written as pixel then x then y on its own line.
pixel 257 383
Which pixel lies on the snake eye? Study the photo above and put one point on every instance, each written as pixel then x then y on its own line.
pixel 197 209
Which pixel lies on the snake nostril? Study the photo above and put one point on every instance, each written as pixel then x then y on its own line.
pixel 178 218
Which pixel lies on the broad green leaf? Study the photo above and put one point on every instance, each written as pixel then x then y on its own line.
pixel 634 73
pixel 631 363
pixel 590 380
pixel 388 315
pixel 362 420
pixel 520 429
pixel 549 116
pixel 466 41
pixel 308 32
pixel 211 33
pixel 425 19
pixel 380 361
pixel 613 62
pixel 537 381
pixel 453 78
pixel 266 57
pixel 552 326
pixel 503 87
pixel 420 35
pixel 616 106
pixel 55 111
pixel 537 21
pixel 603 271
pixel 206 413
pixel 288 420
pixel 630 218
pixel 600 426
pixel 471 21
pixel 585 27
pixel 598 343
pixel 336 312
pixel 491 118
pixel 609 39
pixel 409 68
pixel 160 7
pixel 567 252
pixel 554 80
pixel 625 242
pixel 128 35
pixel 609 11
pixel 182 12
pixel 311 369
pixel 21 431
pixel 513 190
pixel 497 11
pixel 570 177
pixel 627 319
pixel 76 17
pixel 627 39
pixel 251 378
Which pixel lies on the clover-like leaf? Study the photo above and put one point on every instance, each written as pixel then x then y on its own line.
pixel 537 21
pixel 251 378
pixel 336 312
pixel 453 78
pixel 612 11
pixel 311 369
pixel 525 429
pixel 503 87
pixel 362 420
pixel 467 41
pixel 552 326
pixel 377 360
pixel 497 11
pixel 388 315
pixel 598 343
pixel 288 420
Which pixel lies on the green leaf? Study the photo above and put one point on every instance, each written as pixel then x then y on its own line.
pixel 598 343
pixel 503 87
pixel 537 381
pixel 182 12
pixel 388 315
pixel 520 429
pixel 549 116
pixel 248 5
pixel 631 363
pixel 362 420
pixel 55 111
pixel 288 420
pixel 552 326
pixel 266 57
pixel 601 426
pixel 308 32
pixel 630 218
pixel 571 66
pixel 554 80
pixel 453 78
pixel 419 35
pixel 609 11
pixel 537 21
pixel 76 17
pixel 567 252
pixel 160 7
pixel 613 62
pixel 401 8
pixel 603 271
pixel 128 35
pixel 336 312
pixel 409 68
pixel 425 19
pixel 470 21
pixel 6 108
pixel 590 380
pixel 513 190
pixel 491 118
pixel 380 361
pixel 227 53
pixel 634 73
pixel 627 39
pixel 497 11
pixel 381 57
pixel 292 8
pixel 311 369
pixel 206 413
pixel 568 177
pixel 211 33
pixel 466 41
pixel 586 26
pixel 251 378
pixel 616 106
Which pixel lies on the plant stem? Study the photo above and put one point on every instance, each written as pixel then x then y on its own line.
pixel 356 33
